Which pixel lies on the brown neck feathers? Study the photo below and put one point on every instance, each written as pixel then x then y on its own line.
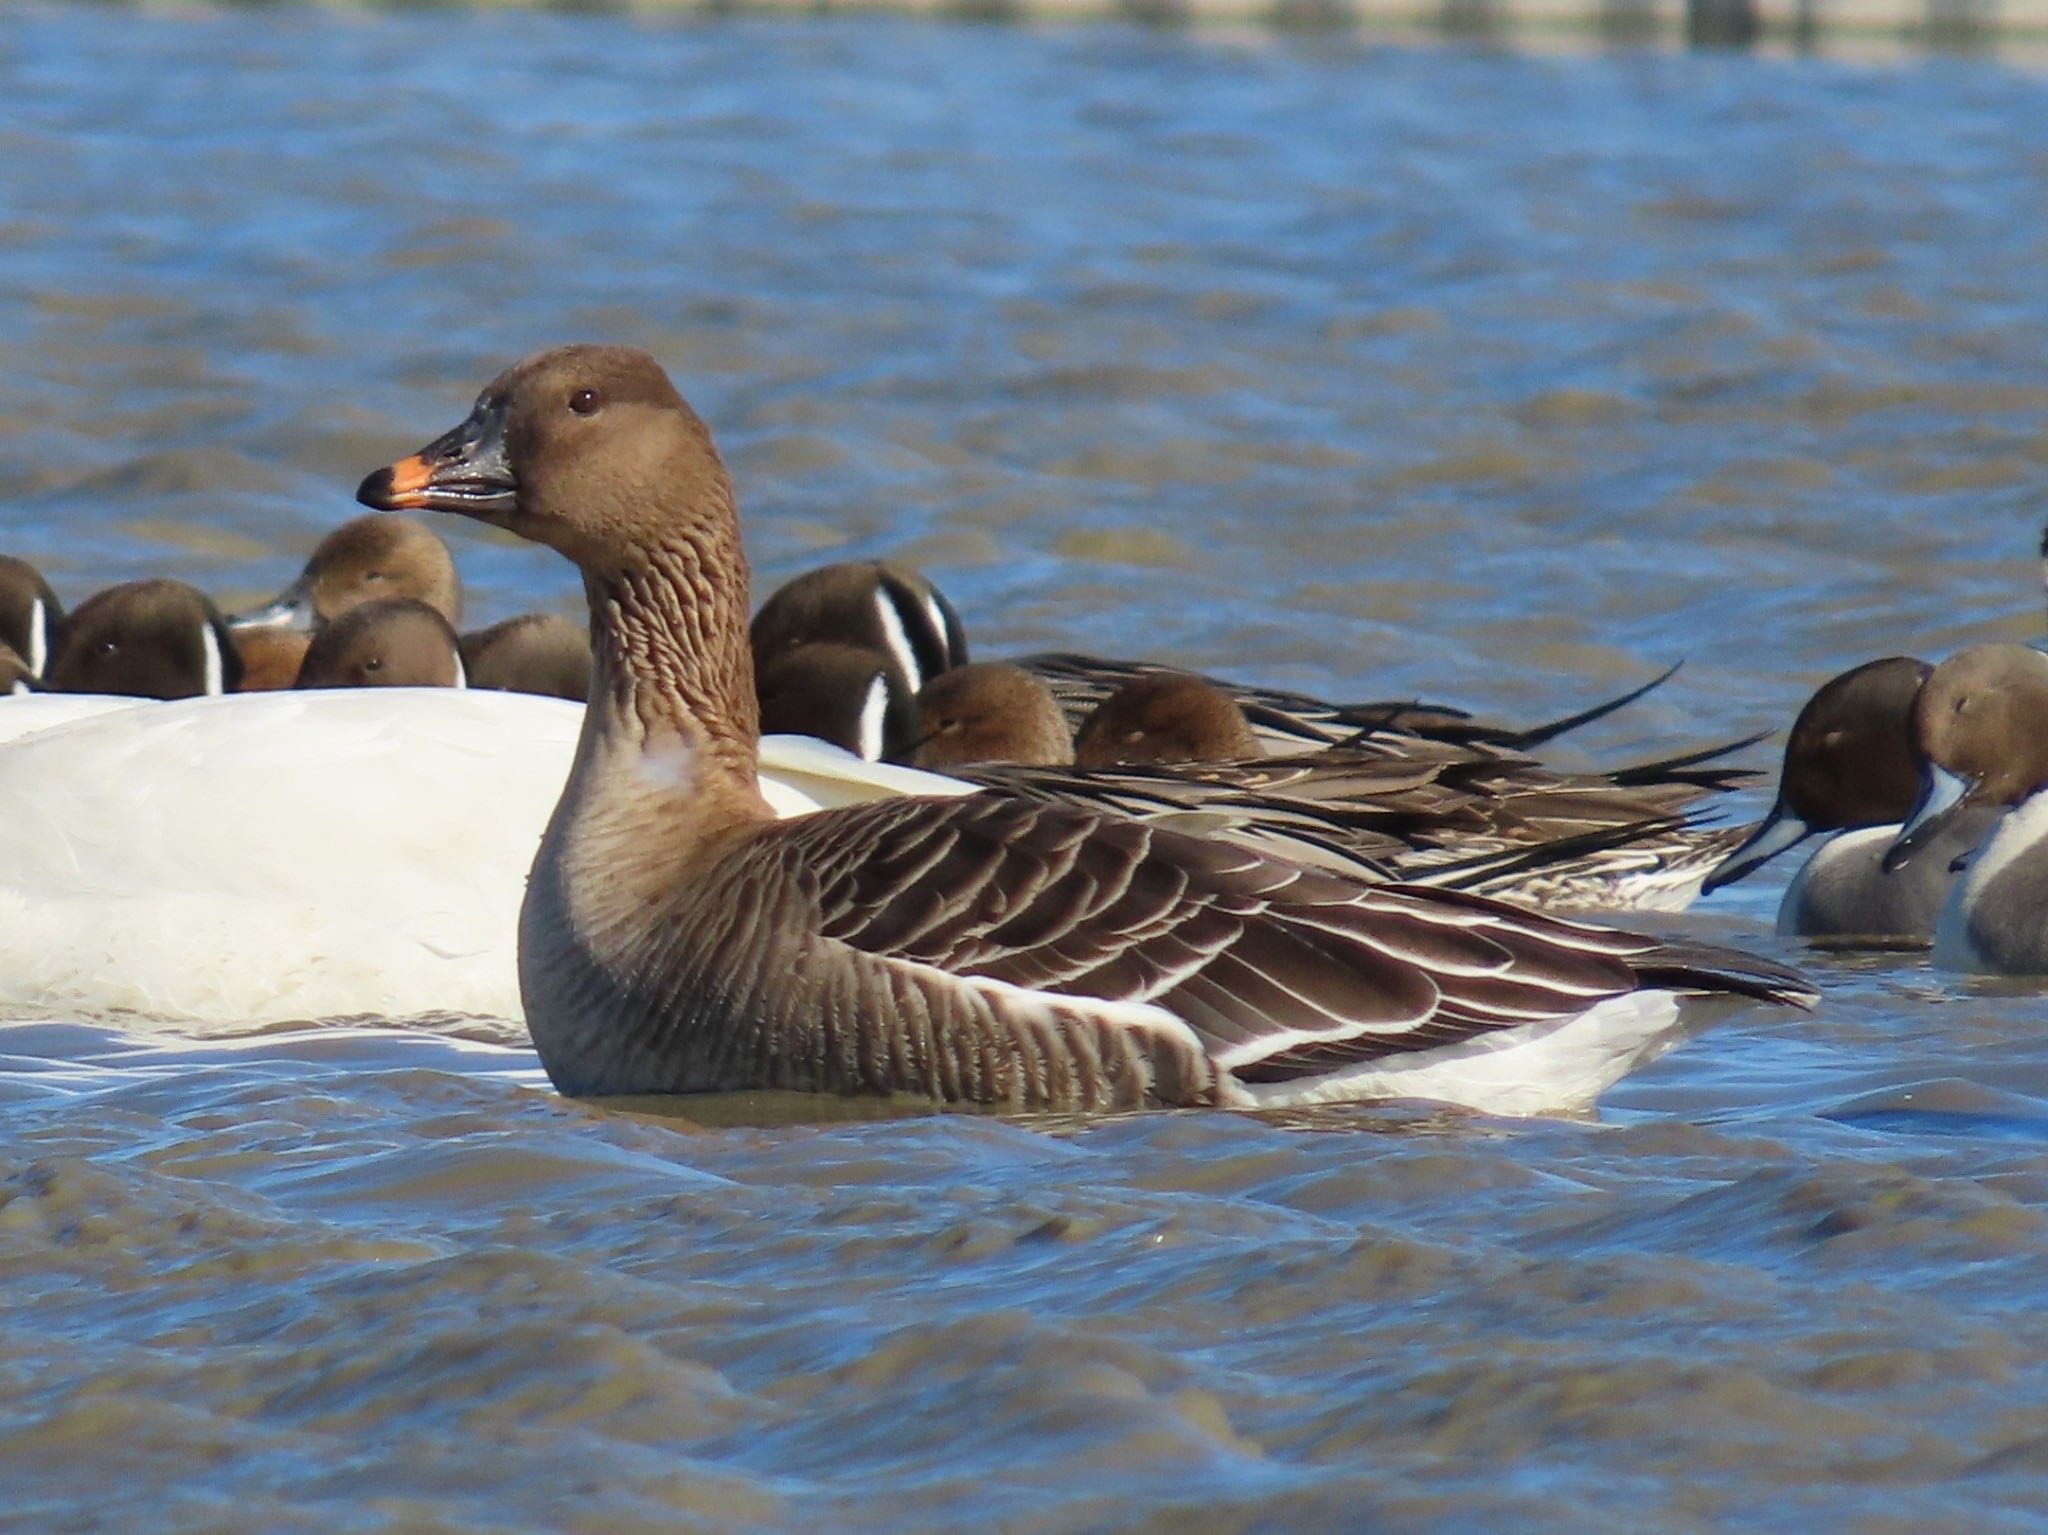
pixel 669 641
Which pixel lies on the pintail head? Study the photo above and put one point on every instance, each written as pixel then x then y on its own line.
pixel 366 559
pixel 990 712
pixel 397 644
pixel 854 698
pixel 148 639
pixel 31 617
pixel 542 653
pixel 1167 718
pixel 271 656
pixel 874 604
pixel 1849 763
pixel 1980 730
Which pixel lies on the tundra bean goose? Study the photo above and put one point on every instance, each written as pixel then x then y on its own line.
pixel 675 937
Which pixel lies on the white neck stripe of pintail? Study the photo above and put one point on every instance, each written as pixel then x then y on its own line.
pixel 38 637
pixel 461 675
pixel 940 631
pixel 897 638
pixel 2021 832
pixel 874 709
pixel 216 680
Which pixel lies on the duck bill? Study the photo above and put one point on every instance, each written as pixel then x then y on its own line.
pixel 1942 796
pixel 463 471
pixel 1778 832
pixel 292 609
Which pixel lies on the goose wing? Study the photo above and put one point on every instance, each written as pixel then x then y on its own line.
pixel 1279 971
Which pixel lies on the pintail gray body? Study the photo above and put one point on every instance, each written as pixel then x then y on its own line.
pixel 1980 731
pixel 1851 775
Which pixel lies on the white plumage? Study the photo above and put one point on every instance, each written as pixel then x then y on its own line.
pixel 268 857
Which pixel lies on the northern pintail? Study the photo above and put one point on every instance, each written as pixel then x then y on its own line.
pixel 1851 775
pixel 851 696
pixel 31 617
pixel 146 639
pixel 989 949
pixel 1164 720
pixel 1385 804
pixel 381 558
pixel 1980 729
pixel 899 612
pixel 397 643
pixel 877 605
pixel 366 559
pixel 989 711
pixel 532 653
pixel 271 656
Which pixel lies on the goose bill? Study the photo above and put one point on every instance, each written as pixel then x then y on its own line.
pixel 465 470
pixel 1776 833
pixel 1942 794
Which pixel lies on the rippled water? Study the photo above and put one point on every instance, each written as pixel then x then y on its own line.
pixel 1495 378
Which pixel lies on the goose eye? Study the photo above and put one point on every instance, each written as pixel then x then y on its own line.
pixel 374 664
pixel 375 575
pixel 585 402
pixel 109 648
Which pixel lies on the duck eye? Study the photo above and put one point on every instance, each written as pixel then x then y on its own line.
pixel 374 664
pixel 585 402
pixel 109 648
pixel 375 575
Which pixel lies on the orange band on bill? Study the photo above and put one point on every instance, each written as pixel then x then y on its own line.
pixel 408 481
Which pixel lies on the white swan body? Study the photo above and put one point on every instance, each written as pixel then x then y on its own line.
pixel 261 858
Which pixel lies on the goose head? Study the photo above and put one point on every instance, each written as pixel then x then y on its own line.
pixel 590 451
pixel 147 639
pixel 586 449
pixel 1849 763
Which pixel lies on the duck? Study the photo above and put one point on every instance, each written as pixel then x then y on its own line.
pixel 875 605
pixel 271 656
pixel 1851 775
pixel 897 611
pixel 31 617
pixel 856 698
pixel 156 638
pixel 985 949
pixel 1164 719
pixel 1980 733
pixel 541 653
pixel 366 559
pixel 1383 806
pixel 399 642
pixel 989 712
pixel 379 558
